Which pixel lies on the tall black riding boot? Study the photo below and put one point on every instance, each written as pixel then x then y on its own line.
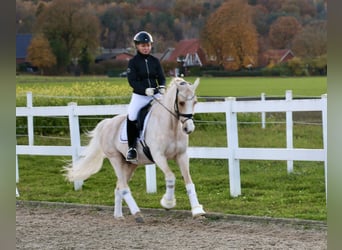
pixel 132 134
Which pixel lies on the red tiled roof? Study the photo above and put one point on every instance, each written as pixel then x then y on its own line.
pixel 184 47
pixel 277 54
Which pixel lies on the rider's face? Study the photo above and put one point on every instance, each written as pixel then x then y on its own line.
pixel 144 48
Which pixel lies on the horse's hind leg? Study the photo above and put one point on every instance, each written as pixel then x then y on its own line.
pixel 117 204
pixel 124 172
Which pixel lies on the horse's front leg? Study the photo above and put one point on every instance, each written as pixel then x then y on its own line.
pixel 168 200
pixel 196 207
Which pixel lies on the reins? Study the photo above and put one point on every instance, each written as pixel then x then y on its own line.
pixel 157 100
pixel 177 114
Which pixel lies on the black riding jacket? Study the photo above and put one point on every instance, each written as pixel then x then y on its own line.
pixel 144 71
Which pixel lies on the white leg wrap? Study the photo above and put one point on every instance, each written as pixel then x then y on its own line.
pixel 196 208
pixel 170 189
pixel 190 188
pixel 118 204
pixel 127 196
pixel 168 201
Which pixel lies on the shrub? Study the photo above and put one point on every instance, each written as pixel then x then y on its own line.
pixel 277 70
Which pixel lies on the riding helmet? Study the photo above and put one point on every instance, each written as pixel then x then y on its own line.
pixel 143 37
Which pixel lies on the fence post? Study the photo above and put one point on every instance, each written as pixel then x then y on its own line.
pixel 263 114
pixel 233 144
pixel 289 130
pixel 75 138
pixel 16 175
pixel 325 141
pixel 151 178
pixel 29 104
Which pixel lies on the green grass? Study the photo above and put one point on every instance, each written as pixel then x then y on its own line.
pixel 233 86
pixel 248 86
pixel 267 188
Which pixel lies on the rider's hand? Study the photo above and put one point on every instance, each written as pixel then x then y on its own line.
pixel 161 89
pixel 149 91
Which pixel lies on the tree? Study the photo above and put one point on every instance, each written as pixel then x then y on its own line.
pixel 230 37
pixel 85 61
pixel 312 41
pixel 25 17
pixel 283 30
pixel 39 54
pixel 271 5
pixel 116 21
pixel 69 26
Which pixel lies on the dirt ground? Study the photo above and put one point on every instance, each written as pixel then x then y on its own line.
pixel 70 226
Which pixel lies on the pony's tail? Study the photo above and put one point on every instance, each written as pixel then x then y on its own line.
pixel 91 160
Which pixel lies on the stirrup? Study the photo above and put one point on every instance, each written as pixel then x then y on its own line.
pixel 132 154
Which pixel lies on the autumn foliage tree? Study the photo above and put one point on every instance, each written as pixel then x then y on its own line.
pixel 226 27
pixel 39 54
pixel 70 27
pixel 312 41
pixel 283 30
pixel 230 37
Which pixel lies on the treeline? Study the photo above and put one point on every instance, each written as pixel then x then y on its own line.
pixel 299 25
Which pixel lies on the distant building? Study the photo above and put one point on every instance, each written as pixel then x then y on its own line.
pixel 22 43
pixel 187 53
pixel 275 56
pixel 114 54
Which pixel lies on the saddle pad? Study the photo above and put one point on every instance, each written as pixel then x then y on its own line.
pixel 123 130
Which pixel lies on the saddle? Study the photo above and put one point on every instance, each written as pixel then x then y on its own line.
pixel 143 116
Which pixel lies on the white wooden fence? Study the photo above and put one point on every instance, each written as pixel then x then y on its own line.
pixel 233 153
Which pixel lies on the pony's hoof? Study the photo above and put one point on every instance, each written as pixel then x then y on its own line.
pixel 201 217
pixel 139 218
pixel 120 218
pixel 197 211
pixel 168 204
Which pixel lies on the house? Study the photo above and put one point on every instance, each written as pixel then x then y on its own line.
pixel 166 55
pixel 22 43
pixel 113 54
pixel 187 53
pixel 275 56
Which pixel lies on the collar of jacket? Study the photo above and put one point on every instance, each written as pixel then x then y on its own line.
pixel 142 55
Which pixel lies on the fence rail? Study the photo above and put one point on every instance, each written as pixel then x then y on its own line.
pixel 233 153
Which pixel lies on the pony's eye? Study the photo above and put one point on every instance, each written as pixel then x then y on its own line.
pixel 181 103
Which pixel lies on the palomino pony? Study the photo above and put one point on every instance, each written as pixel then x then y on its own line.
pixel 166 134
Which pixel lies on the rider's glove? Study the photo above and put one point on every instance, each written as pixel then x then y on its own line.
pixel 149 91
pixel 161 89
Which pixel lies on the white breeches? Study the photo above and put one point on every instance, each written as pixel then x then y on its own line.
pixel 137 102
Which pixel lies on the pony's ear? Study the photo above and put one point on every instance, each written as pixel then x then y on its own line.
pixel 196 83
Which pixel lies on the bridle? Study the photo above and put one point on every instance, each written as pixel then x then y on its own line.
pixel 179 114
pixel 176 113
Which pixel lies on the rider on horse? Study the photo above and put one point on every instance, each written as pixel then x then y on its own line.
pixel 146 77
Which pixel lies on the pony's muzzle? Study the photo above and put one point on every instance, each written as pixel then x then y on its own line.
pixel 188 126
